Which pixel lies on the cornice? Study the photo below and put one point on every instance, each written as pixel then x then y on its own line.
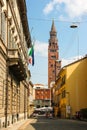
pixel 23 14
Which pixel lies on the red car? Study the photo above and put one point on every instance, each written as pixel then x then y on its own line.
pixel 49 114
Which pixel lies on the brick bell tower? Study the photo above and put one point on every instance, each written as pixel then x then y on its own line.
pixel 54 64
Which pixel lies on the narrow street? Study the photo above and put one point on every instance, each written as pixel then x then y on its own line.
pixel 43 123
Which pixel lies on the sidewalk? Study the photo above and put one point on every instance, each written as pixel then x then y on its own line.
pixel 18 125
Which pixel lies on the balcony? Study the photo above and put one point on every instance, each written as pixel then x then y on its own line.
pixel 16 65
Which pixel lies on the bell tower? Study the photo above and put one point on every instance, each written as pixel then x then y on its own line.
pixel 54 64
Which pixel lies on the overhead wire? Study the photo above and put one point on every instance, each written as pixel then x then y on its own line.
pixel 39 74
pixel 57 20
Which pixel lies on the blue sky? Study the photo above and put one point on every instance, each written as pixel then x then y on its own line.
pixel 72 42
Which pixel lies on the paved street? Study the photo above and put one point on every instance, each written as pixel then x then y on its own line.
pixel 41 123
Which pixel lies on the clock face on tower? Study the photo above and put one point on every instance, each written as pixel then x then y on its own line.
pixel 52 84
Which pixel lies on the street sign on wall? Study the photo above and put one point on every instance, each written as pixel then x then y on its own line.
pixel 68 109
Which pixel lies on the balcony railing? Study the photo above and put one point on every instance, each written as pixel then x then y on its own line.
pixel 13 53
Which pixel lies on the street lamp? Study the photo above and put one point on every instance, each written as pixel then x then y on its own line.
pixel 74 26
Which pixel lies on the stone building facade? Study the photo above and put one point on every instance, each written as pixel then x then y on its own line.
pixel 14 74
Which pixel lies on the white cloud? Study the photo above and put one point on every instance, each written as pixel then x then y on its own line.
pixel 49 7
pixel 41 48
pixel 72 8
pixel 66 61
pixel 71 60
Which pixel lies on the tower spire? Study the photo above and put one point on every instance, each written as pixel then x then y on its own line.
pixel 53 32
pixel 53 29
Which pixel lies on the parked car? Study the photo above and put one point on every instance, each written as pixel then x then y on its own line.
pixel 49 114
pixel 34 114
pixel 78 115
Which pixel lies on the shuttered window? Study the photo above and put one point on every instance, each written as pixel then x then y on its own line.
pixel 13 42
pixel 3 27
pixel 0 18
pixel 9 39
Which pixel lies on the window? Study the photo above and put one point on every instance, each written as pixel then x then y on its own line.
pixel 12 44
pixel 58 67
pixel 3 92
pixel 51 65
pixel 63 80
pixel 53 57
pixel 3 27
pixel 10 39
pixel 63 94
pixel 52 50
pixel 53 71
pixel 0 18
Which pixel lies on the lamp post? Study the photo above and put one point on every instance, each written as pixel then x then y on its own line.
pixel 74 26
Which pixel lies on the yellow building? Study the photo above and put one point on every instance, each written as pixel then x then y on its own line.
pixel 71 88
pixel 14 74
